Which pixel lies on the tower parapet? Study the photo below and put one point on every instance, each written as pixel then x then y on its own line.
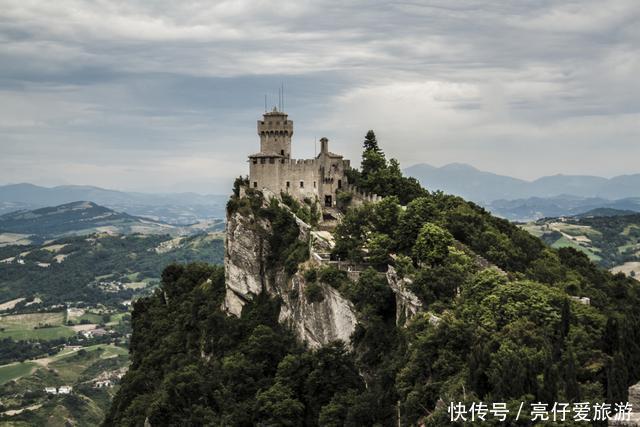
pixel 275 131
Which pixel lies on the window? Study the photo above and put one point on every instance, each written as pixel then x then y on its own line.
pixel 288 184
pixel 272 160
pixel 282 152
pixel 301 184
pixel 314 184
pixel 262 161
pixel 339 183
pixel 255 184
pixel 255 161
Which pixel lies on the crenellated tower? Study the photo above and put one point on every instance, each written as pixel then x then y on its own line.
pixel 275 132
pixel 273 168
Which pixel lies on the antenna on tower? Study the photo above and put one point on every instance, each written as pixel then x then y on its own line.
pixel 265 102
pixel 279 100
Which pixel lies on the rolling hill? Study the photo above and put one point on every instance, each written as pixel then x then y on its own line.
pixel 177 208
pixel 612 240
pixel 78 218
pixel 82 218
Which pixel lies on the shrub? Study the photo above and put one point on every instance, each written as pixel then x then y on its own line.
pixel 311 275
pixel 313 292
pixel 332 276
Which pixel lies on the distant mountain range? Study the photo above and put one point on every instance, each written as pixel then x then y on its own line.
pixel 517 199
pixel 512 198
pixel 480 186
pixel 176 208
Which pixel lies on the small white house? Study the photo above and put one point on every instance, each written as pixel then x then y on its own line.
pixel 103 384
pixel 65 389
pixel 51 390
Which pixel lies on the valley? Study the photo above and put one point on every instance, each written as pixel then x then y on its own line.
pixel 65 314
pixel 609 238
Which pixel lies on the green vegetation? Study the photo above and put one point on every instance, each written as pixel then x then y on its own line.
pixel 15 370
pixel 76 277
pixel 86 405
pixel 609 241
pixel 34 326
pixel 254 372
pixel 498 323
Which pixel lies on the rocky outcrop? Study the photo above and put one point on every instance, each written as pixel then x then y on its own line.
pixel 244 257
pixel 329 317
pixel 407 303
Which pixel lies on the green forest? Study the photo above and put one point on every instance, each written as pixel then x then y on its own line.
pixel 87 258
pixel 511 333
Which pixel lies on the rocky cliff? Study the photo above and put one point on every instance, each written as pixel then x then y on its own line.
pixel 328 318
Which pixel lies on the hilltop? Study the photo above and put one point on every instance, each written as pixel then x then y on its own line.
pixel 400 305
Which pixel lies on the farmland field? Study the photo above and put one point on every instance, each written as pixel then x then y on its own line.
pixel 45 326
pixel 15 370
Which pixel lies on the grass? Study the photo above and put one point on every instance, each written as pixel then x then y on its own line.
pixel 38 334
pixel 70 366
pixel 628 246
pixel 31 320
pixel 630 227
pixel 23 326
pixel 16 370
pixel 563 242
pixel 116 319
pixel 90 317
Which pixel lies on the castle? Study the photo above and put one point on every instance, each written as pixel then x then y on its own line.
pixel 274 169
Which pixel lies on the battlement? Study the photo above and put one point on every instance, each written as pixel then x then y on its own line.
pixel 361 196
pixel 320 178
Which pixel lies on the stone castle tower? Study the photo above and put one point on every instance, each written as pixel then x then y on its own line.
pixel 274 169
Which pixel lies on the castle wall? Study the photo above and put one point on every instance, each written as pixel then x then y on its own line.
pixel 286 175
pixel 319 177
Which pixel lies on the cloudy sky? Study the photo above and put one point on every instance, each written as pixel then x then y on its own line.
pixel 164 95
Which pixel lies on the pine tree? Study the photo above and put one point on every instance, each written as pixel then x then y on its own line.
pixel 370 142
pixel 571 386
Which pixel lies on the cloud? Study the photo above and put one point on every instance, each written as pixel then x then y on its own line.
pixel 120 93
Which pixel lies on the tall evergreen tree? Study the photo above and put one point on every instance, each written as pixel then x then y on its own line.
pixel 571 386
pixel 370 142
pixel 617 378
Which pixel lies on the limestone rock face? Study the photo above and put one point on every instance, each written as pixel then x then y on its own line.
pixel 243 261
pixel 330 317
pixel 407 303
pixel 317 323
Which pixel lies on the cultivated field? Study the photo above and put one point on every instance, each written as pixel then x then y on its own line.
pixel 45 326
